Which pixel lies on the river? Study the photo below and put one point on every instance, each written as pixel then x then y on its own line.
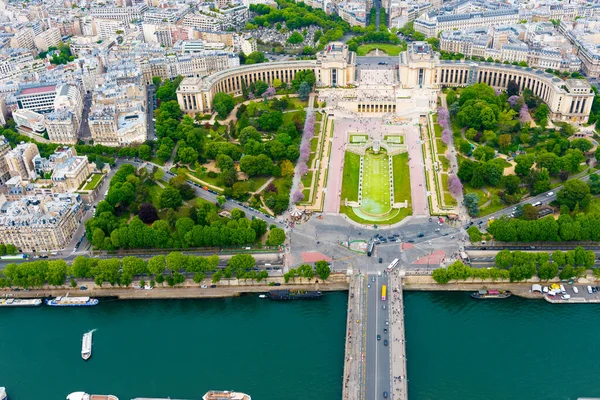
pixel 517 349
pixel 179 348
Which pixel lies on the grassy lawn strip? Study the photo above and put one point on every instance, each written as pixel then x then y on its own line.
pixel 154 191
pixel 307 179
pixel 350 177
pixel 401 178
pixel 441 146
pixel 445 162
pixel 93 183
pixel 313 144
pixel 157 161
pixel 390 49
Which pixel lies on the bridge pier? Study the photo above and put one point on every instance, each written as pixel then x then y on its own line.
pixel 399 386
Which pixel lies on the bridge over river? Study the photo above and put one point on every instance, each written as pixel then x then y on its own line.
pixel 375 358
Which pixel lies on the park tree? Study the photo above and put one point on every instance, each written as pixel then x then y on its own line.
pixel 547 270
pixel 512 88
pixel 574 192
pixel 323 269
pixel 270 120
pixel 471 202
pixel 223 104
pixel 145 152
pixel 440 275
pixel 295 38
pixel 276 237
pixel 474 234
pixel 304 91
pixel 170 198
pixel 524 164
pixel 148 213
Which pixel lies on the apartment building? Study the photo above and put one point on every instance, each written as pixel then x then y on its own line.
pixel 353 12
pixel 69 170
pixel 29 121
pixel 221 20
pixel 108 28
pixel 249 45
pixel 48 38
pixel 12 59
pixel 20 161
pixel 127 14
pixel 4 171
pixel 116 126
pixel 23 39
pixel 39 98
pixel 432 24
pixel 582 34
pixel 41 223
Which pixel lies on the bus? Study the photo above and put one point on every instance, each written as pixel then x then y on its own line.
pixel 383 292
pixel 392 265
pixel 371 247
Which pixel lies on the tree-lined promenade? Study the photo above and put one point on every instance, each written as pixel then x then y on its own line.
pixel 171 269
pixel 519 266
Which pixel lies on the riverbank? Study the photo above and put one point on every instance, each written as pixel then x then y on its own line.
pixel 186 292
pixel 426 283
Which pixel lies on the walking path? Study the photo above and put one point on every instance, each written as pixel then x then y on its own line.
pixel 354 355
pixel 297 178
pixel 418 187
pixel 397 335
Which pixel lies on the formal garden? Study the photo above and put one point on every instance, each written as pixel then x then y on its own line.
pixel 375 187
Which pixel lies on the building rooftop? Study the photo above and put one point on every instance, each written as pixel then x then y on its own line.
pixel 38 89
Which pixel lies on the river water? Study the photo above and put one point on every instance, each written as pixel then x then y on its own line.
pixel 457 348
pixel 517 349
pixel 179 348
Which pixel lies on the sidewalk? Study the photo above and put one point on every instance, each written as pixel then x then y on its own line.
pixel 398 380
pixel 354 355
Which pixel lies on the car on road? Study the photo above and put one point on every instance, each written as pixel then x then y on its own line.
pixel 213 286
pixel 385 395
pixel 384 330
pixel 373 279
pixel 378 337
pixel 82 288
pixel 410 241
pixel 204 287
pixel 277 284
pixel 387 322
pixel 380 261
pixel 420 235
pixel 369 286
pixel 385 342
pixel 384 306
pixel 550 194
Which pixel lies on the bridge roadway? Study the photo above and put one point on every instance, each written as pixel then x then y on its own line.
pixel 375 369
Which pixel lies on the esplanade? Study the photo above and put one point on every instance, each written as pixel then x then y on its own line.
pixel 420 71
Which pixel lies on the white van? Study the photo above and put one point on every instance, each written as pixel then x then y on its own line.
pixel 589 288
pixel 575 290
pixel 537 204
pixel 550 194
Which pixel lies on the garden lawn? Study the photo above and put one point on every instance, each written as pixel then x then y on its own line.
pixel 390 49
pixel 94 182
pixel 401 178
pixel 307 179
pixel 350 178
pixel 375 184
pixel 155 192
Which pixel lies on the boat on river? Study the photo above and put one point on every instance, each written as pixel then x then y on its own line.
pixel 67 301
pixel 85 396
pixel 295 294
pixel 86 345
pixel 491 294
pixel 225 395
pixel 3 395
pixel 20 303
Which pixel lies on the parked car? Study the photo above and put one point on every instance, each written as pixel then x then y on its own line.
pixel 204 287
